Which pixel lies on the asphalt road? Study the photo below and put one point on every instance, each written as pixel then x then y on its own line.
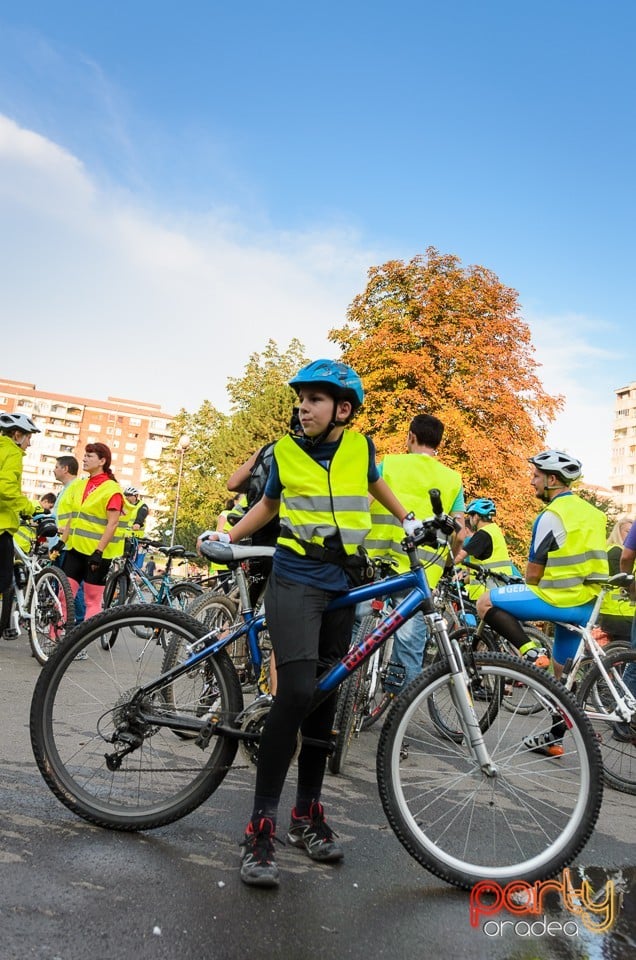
pixel 70 891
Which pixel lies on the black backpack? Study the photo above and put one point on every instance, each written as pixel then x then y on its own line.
pixel 259 474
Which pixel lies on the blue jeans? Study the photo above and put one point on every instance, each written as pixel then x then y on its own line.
pixel 409 643
pixel 80 604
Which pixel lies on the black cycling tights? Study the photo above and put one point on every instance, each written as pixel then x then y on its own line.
pixel 295 687
pixel 507 626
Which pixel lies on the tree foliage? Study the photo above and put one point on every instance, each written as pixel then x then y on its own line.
pixel 260 408
pixel 433 336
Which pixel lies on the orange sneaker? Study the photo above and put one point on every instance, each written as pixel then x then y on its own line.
pixel 545 743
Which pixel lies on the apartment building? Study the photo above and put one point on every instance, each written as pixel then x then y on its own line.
pixel 136 432
pixel 623 466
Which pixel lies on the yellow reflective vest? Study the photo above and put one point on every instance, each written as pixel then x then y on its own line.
pixel 88 519
pixel 582 554
pixel 411 476
pixel 499 560
pixel 318 503
pixel 617 604
pixel 24 537
pixel 63 509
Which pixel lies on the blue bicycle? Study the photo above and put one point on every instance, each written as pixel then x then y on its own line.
pixel 128 746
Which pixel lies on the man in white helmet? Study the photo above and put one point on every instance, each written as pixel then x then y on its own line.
pixel 567 545
pixel 16 430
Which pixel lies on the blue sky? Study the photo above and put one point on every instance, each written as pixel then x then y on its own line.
pixel 181 181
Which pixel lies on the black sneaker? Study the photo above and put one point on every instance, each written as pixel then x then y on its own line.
pixel 624 732
pixel 313 834
pixel 10 633
pixel 258 868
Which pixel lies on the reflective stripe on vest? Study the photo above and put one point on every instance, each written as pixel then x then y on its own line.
pixel 24 537
pixel 582 554
pixel 309 510
pixel 89 520
pixel 411 476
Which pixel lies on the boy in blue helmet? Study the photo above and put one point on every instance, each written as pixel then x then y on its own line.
pixel 485 545
pixel 319 485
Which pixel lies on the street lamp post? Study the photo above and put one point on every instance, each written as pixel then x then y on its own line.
pixel 182 446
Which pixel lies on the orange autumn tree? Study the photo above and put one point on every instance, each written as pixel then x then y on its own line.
pixel 433 336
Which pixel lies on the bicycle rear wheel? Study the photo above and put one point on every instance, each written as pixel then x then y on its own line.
pixel 525 822
pixel 109 753
pixel 52 612
pixel 617 740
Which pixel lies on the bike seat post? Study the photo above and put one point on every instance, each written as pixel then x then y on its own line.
pixel 244 594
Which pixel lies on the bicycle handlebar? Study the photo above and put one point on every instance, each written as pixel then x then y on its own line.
pixel 485 572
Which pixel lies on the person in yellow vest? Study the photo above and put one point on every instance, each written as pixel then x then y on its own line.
pixel 16 430
pixel 319 485
pixel 233 510
pixel 412 475
pixel 617 612
pixel 567 545
pixel 136 512
pixel 96 529
pixel 485 545
pixel 66 471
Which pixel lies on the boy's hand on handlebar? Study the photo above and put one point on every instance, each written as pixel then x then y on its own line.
pixel 212 535
pixel 411 525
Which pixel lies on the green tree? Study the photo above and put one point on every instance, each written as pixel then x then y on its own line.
pixel 261 404
pixel 433 336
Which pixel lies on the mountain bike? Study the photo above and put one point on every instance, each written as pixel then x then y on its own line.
pixel 112 736
pixel 126 584
pixel 595 676
pixel 43 599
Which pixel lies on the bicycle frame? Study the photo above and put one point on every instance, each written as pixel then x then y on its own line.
pixel 625 701
pixel 419 598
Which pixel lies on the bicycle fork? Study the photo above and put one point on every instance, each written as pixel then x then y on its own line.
pixel 461 696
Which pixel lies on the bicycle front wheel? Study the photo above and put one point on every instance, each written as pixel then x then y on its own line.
pixel 115 595
pixel 617 740
pixel 346 711
pixel 109 752
pixel 525 819
pixel 52 612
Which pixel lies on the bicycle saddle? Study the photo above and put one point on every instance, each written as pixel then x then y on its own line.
pixel 232 552
pixel 618 580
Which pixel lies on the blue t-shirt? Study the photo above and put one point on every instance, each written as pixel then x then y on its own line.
pixel 292 566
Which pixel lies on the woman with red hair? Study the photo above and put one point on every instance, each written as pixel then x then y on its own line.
pixel 96 528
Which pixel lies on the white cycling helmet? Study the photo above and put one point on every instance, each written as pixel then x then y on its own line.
pixel 559 463
pixel 131 492
pixel 18 421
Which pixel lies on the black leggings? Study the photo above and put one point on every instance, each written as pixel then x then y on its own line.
pixel 6 578
pixel 296 682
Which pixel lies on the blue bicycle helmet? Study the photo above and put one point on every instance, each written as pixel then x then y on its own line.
pixel 341 381
pixel 482 506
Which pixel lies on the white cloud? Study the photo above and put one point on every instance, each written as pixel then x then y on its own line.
pixel 575 363
pixel 101 297
pixel 146 309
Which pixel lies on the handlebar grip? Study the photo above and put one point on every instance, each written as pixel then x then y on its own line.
pixel 436 501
